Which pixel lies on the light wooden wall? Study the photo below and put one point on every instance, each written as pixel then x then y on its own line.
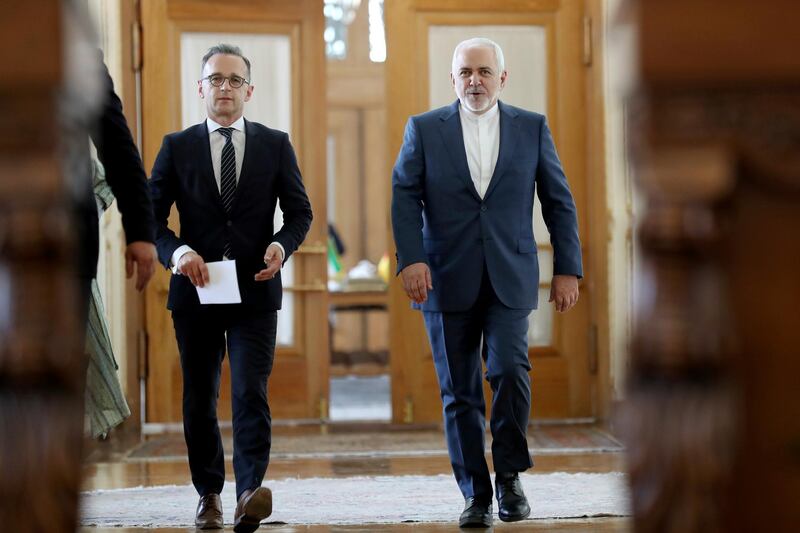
pixel 301 391
pixel 621 198
pixel 572 376
pixel 357 117
pixel 357 123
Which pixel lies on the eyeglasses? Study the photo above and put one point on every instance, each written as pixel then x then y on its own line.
pixel 217 80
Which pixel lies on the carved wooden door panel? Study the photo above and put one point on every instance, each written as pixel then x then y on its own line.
pixel 284 43
pixel 543 47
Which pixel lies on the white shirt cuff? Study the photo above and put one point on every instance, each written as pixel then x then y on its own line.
pixel 176 256
pixel 280 246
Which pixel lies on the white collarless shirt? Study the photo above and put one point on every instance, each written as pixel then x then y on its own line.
pixel 481 143
pixel 217 141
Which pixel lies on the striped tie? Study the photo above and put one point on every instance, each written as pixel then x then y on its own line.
pixel 227 177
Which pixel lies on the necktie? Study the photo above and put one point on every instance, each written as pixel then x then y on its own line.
pixel 227 177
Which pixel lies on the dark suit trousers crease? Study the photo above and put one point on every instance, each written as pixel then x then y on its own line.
pixel 201 336
pixel 457 353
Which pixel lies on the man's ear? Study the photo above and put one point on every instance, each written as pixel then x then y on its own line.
pixel 200 89
pixel 503 77
pixel 249 92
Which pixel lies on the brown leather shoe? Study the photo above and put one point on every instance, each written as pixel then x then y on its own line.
pixel 253 507
pixel 209 512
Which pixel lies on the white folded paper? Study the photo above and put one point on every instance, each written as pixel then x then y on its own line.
pixel 222 286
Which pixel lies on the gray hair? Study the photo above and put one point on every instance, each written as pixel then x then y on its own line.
pixel 485 43
pixel 226 49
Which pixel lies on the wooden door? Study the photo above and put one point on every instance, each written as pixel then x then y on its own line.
pixel 284 41
pixel 543 43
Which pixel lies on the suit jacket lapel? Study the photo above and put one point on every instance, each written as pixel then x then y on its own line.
pixel 508 142
pixel 204 164
pixel 453 138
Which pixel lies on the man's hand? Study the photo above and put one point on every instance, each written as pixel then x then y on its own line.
pixel 417 281
pixel 192 265
pixel 143 255
pixel 273 258
pixel 564 292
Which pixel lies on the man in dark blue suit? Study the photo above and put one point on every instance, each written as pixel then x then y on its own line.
pixel 462 208
pixel 227 175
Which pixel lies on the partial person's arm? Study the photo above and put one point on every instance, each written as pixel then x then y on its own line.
pixel 297 215
pixel 163 190
pixel 293 201
pixel 407 193
pixel 124 172
pixel 173 252
pixel 564 292
pixel 273 259
pixel 560 216
pixel 125 175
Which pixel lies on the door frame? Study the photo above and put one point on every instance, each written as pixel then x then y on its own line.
pixel 299 385
pixel 407 23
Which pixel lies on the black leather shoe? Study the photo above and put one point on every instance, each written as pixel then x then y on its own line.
pixel 511 501
pixel 209 512
pixel 477 513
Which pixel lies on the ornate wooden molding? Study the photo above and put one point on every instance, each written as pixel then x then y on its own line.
pixel 760 128
pixel 716 152
pixel 42 366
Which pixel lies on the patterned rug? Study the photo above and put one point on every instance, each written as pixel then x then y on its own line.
pixel 542 440
pixel 359 500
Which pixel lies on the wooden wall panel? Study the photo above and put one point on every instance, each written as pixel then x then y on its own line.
pixel 348 218
pixel 712 417
pixel 44 166
pixel 569 118
pixel 377 166
pixel 356 90
pixel 303 22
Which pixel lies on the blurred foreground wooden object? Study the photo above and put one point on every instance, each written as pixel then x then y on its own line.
pixel 713 412
pixel 41 364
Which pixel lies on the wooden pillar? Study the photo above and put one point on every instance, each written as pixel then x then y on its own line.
pixel 713 412
pixel 41 363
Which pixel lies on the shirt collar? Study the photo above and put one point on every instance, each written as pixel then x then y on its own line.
pixel 214 126
pixel 488 115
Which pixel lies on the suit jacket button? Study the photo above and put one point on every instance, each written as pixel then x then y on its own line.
pixel 229 223
pixel 483 208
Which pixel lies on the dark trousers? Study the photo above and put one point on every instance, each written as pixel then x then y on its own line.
pixel 201 339
pixel 457 353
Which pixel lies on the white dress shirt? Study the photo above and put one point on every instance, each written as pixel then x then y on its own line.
pixel 482 144
pixel 217 141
